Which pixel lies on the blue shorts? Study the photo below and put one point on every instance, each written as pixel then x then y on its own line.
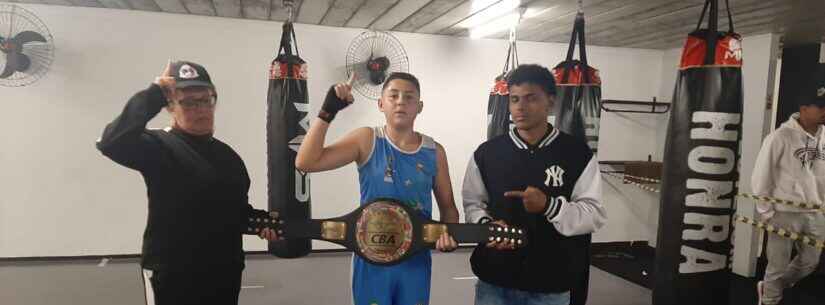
pixel 407 283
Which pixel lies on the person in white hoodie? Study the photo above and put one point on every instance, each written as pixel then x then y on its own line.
pixel 791 166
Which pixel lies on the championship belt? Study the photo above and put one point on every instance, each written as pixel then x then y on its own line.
pixel 385 231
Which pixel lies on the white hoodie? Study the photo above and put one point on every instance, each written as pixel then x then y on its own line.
pixel 790 166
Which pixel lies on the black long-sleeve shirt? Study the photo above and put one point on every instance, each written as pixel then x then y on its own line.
pixel 197 188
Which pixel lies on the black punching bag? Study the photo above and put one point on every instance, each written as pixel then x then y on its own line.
pixel 577 111
pixel 286 124
pixel 498 111
pixel 701 157
pixel 578 92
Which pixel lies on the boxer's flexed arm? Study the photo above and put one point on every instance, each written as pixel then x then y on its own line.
pixel 313 156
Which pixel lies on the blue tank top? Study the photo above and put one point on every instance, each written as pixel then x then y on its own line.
pixel 403 175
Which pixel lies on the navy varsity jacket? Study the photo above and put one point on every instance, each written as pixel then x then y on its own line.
pixel 565 169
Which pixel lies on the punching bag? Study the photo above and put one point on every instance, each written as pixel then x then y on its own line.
pixel 498 111
pixel 700 171
pixel 577 112
pixel 286 124
pixel 578 92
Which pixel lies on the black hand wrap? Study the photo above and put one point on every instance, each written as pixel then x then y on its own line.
pixel 332 104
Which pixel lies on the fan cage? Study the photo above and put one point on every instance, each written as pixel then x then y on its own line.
pixel 13 20
pixel 377 43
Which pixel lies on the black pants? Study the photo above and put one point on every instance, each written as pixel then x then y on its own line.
pixel 219 286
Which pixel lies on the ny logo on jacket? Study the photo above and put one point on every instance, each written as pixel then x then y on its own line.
pixel 555 173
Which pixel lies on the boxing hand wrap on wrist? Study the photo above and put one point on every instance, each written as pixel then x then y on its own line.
pixel 332 104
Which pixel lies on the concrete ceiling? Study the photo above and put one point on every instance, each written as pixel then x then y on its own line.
pixel 653 24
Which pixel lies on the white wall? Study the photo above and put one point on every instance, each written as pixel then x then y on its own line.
pixel 61 197
pixel 758 70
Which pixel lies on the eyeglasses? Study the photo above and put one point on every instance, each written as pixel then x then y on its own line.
pixel 192 103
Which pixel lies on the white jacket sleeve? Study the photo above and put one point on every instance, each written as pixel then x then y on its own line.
pixel 474 194
pixel 764 172
pixel 584 213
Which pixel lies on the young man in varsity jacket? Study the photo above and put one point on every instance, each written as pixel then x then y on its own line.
pixel 539 178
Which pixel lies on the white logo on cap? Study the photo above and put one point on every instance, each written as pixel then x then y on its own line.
pixel 820 92
pixel 187 72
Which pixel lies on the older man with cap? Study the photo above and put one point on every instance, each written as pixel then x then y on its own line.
pixel 791 166
pixel 197 188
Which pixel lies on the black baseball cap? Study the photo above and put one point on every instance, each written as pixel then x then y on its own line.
pixel 189 74
pixel 814 92
pixel 819 88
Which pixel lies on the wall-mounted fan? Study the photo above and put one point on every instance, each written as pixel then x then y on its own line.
pixel 372 56
pixel 26 44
